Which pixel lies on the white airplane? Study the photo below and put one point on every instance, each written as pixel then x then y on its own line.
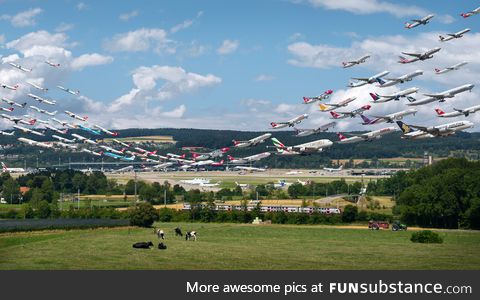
pixel 38 87
pixel 43 111
pixel 76 93
pixel 363 80
pixel 35 143
pixel 13 103
pixel 395 96
pixel 418 56
pixel 242 185
pixel 195 181
pixel 17 120
pixel 42 100
pixel 458 112
pixel 401 79
pixel 145 152
pixel 332 170
pixel 10 87
pixel 452 68
pixel 248 159
pixel 303 182
pixel 289 123
pixel 212 154
pixel 52 64
pixel 308 132
pixel 202 163
pixel 439 130
pixel 451 36
pixel 64 123
pixel 28 130
pixel 280 184
pixel 306 148
pixel 476 11
pixel 7 133
pixel 91 152
pixel 294 173
pixel 6 169
pixel 123 170
pixel 48 126
pixel 324 95
pixel 105 130
pixel 369 136
pixel 210 184
pixel 66 146
pixel 110 149
pixel 10 109
pixel 121 143
pixel 76 116
pixel 163 165
pixel 417 22
pixel 443 95
pixel 252 142
pixel 19 67
pixel 361 60
pixel 249 169
pixel 62 139
pixel 332 106
pixel 390 118
pixel 351 114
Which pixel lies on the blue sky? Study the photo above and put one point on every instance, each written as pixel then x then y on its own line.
pixel 226 64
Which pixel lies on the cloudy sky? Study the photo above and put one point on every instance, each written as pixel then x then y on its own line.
pixel 225 64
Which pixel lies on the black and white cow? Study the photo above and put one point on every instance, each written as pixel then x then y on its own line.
pixel 160 234
pixel 143 245
pixel 178 232
pixel 191 235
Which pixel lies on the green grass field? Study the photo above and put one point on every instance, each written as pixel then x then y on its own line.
pixel 235 246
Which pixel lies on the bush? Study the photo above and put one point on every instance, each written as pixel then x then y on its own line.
pixel 143 215
pixel 426 237
pixel 349 214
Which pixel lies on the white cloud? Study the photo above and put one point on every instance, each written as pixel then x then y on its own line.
pixel 317 56
pixel 185 24
pixel 81 6
pixel 264 77
pixel 87 60
pixel 24 18
pixel 141 40
pixel 2 39
pixel 64 27
pixel 228 47
pixel 127 16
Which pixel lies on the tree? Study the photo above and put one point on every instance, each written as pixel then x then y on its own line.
pixel 295 190
pixel 143 215
pixel 79 182
pixel 349 214
pixel 11 191
pixel 43 210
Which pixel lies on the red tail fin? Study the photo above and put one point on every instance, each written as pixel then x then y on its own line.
pixel 334 115
pixel 439 111
pixel 306 99
pixel 273 124
pixel 341 136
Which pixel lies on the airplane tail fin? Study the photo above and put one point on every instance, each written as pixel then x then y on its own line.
pixel 365 119
pixel 441 38
pixel 278 144
pixel 408 25
pixel 334 115
pixel 439 111
pixel 403 60
pixel 366 107
pixel 4 167
pixel 341 136
pixel 85 118
pixel 437 70
pixel 24 104
pixel 10 108
pixel 306 100
pixel 404 127
pixel 32 121
pixel 235 142
pixel 225 149
pixel 465 15
pixel 183 155
pixel 344 64
pixel 375 96
pixel 381 81
pixel 323 107
pixel 230 158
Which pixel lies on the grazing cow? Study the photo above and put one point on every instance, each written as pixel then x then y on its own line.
pixel 143 245
pixel 178 232
pixel 162 246
pixel 191 235
pixel 160 234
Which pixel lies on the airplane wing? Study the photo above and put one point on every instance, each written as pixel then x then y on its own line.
pixel 412 54
pixel 437 96
pixel 423 101
pixel 433 131
pixel 452 34
pixel 418 21
pixel 360 79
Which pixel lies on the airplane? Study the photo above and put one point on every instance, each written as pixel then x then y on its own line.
pixel 363 80
pixel 171 155
pixel 91 152
pixel 212 154
pixel 111 150
pixel 6 169
pixel 390 118
pixel 248 159
pixel 252 142
pixel 281 184
pixel 88 129
pixel 303 182
pixel 7 133
pixel 302 149
pixel 20 67
pixel 401 79
pixel 351 114
pixel 75 93
pixel 30 118
pixel 43 111
pixel 42 100
pixel 123 170
pixel 361 60
pixel 422 21
pixel 10 109
pixel 48 126
pixel 196 181
pixel 38 87
pixel 35 143
pixel 13 103
pixel 476 11
pixel 13 88
pixel 242 185
pixel 308 132
pixel 289 123
pixel 17 120
pixel 458 112
pixel 210 184
pixel 443 95
pixel 62 139
pixel 294 173
pixel 201 163
pixel 325 95
pixel 451 36
pixel 418 56
pixel 145 152
pixel 28 130
pixel 76 116
pixel 249 169
pixel 435 131
pixel 105 130
pixel 163 165
pixel 64 123
pixel 332 170
pixel 120 157
pixel 332 106
pixel 369 136
pixel 452 68
pixel 66 146
pixel 395 96
pixel 52 64
pixel 121 143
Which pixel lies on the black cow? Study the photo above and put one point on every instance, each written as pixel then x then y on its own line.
pixel 178 232
pixel 143 245
pixel 162 246
pixel 191 235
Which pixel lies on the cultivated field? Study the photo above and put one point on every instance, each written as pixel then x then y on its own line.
pixel 235 246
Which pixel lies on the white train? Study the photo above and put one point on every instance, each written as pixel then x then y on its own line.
pixel 273 208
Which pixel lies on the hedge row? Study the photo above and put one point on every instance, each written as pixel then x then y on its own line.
pixel 45 224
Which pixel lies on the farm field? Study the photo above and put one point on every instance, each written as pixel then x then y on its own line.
pixel 239 246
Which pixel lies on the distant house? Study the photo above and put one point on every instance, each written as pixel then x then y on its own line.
pixel 24 189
